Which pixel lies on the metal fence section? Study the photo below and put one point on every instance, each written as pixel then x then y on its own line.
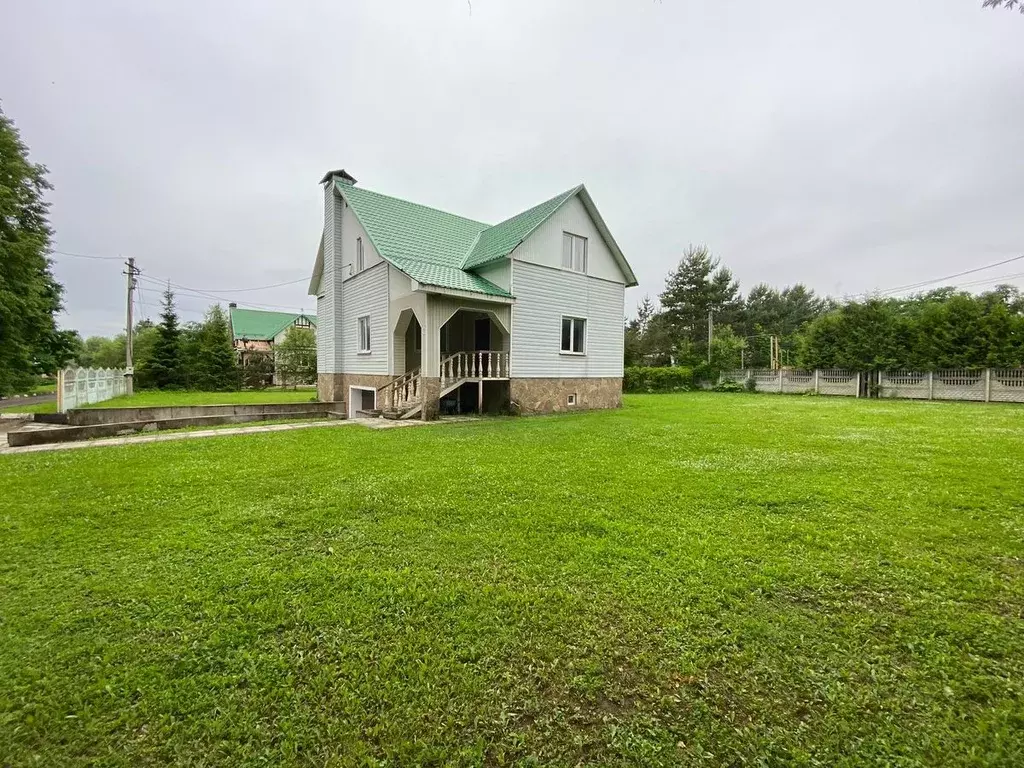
pixel 988 385
pixel 80 386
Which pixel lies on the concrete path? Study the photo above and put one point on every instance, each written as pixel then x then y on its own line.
pixel 201 433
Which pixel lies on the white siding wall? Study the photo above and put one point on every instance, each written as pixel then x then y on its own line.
pixel 328 303
pixel 321 338
pixel 543 296
pixel 353 229
pixel 498 272
pixel 365 294
pixel 545 245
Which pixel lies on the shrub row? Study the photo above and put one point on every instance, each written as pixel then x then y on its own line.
pixel 643 379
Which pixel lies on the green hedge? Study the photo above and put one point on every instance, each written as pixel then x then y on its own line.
pixel 642 379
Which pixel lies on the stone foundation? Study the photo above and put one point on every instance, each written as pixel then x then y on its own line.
pixel 431 389
pixel 333 387
pixel 552 395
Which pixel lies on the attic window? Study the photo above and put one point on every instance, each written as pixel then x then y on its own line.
pixel 302 322
pixel 574 252
pixel 360 258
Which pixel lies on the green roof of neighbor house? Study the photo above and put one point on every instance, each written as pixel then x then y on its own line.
pixel 441 249
pixel 257 325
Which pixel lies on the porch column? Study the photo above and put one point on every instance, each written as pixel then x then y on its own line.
pixel 430 362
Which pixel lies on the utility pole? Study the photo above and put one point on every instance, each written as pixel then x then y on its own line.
pixel 129 371
pixel 775 363
pixel 711 333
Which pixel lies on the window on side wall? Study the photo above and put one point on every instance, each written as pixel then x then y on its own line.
pixel 360 258
pixel 364 335
pixel 574 252
pixel 574 335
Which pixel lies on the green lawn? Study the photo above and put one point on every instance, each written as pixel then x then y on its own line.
pixel 50 407
pixel 702 579
pixel 156 397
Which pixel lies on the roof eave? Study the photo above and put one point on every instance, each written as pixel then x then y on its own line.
pixel 318 270
pixel 606 234
pixel 460 293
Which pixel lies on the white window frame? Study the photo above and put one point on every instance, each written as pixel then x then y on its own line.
pixel 572 335
pixel 362 322
pixel 572 399
pixel 573 244
pixel 360 255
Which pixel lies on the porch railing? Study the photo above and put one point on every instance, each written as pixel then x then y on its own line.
pixel 482 364
pixel 403 392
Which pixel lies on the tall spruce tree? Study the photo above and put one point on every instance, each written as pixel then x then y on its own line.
pixel 29 294
pixel 164 369
pixel 215 367
pixel 697 287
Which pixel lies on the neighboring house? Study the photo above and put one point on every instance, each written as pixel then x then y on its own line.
pixel 254 331
pixel 421 310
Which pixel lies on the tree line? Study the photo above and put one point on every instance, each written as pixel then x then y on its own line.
pixel 200 355
pixel 943 328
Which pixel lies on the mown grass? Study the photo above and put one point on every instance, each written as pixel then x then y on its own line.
pixel 50 407
pixel 699 579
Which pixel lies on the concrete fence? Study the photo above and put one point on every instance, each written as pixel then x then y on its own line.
pixel 822 382
pixel 80 386
pixel 988 385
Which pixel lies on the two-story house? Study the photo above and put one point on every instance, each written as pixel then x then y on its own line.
pixel 421 310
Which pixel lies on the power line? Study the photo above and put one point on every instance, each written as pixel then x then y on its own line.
pixel 924 283
pixel 195 293
pixel 85 255
pixel 244 290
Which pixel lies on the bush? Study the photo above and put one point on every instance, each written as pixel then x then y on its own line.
pixel 730 386
pixel 644 379
pixel 750 385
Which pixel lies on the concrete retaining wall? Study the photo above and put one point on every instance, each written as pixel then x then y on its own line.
pixel 114 429
pixel 88 416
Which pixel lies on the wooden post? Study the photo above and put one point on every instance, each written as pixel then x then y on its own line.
pixel 816 381
pixel 988 385
pixel 480 396
pixel 858 385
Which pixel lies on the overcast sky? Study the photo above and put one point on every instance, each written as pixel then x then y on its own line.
pixel 850 146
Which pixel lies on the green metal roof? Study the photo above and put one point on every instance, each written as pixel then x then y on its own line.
pixel 257 325
pixel 441 249
pixel 500 240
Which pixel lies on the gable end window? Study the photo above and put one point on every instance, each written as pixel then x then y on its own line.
pixel 574 252
pixel 360 258
pixel 574 335
pixel 364 335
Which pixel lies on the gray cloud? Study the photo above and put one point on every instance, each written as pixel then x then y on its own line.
pixel 850 146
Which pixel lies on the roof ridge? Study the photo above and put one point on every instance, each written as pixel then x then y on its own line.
pixel 483 224
pixel 560 199
pixel 566 193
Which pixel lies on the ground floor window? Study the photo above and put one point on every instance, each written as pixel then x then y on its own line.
pixel 574 333
pixel 364 334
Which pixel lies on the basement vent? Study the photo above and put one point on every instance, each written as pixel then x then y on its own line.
pixel 572 399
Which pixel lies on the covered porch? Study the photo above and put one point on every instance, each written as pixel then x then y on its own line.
pixel 449 355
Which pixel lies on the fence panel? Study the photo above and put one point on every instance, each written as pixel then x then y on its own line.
pixel 797 382
pixel 79 386
pixel 914 385
pixel 1006 386
pixel 958 384
pixel 835 381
